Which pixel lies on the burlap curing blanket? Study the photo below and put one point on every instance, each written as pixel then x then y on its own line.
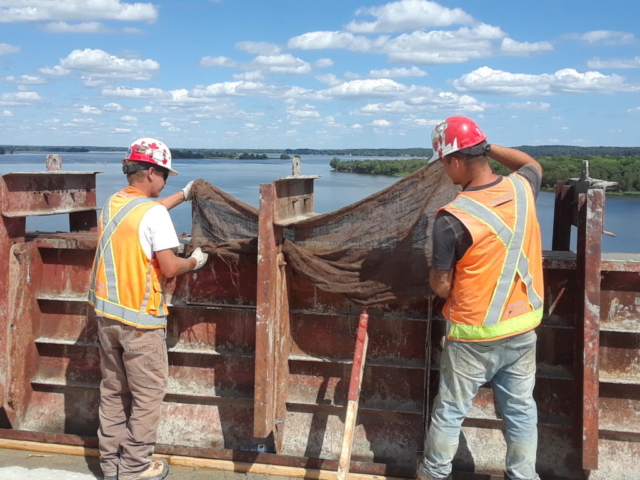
pixel 375 251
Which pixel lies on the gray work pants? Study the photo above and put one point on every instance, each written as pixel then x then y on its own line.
pixel 135 371
pixel 510 365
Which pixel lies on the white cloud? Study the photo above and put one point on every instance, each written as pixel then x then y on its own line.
pixel 398 106
pixel 533 106
pixel 166 124
pixel 18 99
pixel 122 130
pixel 513 47
pixel 99 64
pixel 85 27
pixel 218 62
pixel 132 30
pixel 307 112
pixel 329 79
pixel 382 87
pixel 250 76
pixel 84 120
pixel 56 71
pixel 89 110
pixel 227 89
pixel 606 37
pixel 633 110
pixel 356 126
pixel 24 80
pixel 259 48
pixel 397 72
pixel 5 48
pixel 129 119
pixel 112 107
pixel 285 63
pixel 6 113
pixel 75 10
pixel 439 47
pixel 129 92
pixel 568 80
pixel 407 15
pixel 420 122
pixel 323 63
pixel 615 63
pixel 292 132
pixel 322 40
pixel 381 123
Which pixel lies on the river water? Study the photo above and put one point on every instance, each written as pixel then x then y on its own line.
pixel 333 190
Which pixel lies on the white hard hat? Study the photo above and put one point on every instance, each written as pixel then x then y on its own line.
pixel 150 150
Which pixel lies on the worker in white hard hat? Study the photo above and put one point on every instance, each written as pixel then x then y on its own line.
pixel 135 253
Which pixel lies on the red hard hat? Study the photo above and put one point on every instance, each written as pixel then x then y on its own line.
pixel 453 135
pixel 150 150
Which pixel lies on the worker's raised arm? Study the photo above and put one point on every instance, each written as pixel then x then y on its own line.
pixel 512 159
pixel 177 198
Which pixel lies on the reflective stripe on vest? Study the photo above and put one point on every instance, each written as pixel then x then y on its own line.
pixel 515 262
pixel 111 306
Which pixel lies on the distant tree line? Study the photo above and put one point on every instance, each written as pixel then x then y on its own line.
pixel 364 152
pixel 252 156
pixel 201 154
pixel 622 169
pixel 379 167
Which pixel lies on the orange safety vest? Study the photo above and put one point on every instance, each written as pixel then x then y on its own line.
pixel 497 289
pixel 125 284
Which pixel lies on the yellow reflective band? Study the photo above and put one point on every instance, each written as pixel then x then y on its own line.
pixel 506 328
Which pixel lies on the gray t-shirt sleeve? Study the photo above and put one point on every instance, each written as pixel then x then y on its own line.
pixel 451 240
pixel 533 176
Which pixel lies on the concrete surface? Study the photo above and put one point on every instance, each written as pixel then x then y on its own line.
pixel 24 465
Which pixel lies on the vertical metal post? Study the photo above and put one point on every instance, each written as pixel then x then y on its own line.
pixel 272 326
pixel 590 227
pixel 12 230
pixel 562 217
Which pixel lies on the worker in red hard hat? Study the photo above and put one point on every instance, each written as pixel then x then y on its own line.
pixel 135 253
pixel 487 264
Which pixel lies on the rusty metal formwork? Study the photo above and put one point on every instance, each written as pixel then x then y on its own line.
pixel 260 359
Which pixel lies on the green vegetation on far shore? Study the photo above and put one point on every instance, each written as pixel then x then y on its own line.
pixel 622 169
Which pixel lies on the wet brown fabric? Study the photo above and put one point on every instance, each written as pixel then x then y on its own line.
pixel 376 251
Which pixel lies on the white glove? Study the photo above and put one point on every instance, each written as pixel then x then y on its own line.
pixel 200 257
pixel 186 191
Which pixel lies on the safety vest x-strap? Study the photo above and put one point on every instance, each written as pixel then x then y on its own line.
pixel 108 291
pixel 487 319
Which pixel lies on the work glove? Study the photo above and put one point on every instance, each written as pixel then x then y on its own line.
pixel 200 257
pixel 186 191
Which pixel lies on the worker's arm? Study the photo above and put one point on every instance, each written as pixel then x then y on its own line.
pixel 440 282
pixel 172 200
pixel 177 198
pixel 171 265
pixel 512 159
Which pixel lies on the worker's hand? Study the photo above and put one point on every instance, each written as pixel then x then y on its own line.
pixel 200 257
pixel 186 191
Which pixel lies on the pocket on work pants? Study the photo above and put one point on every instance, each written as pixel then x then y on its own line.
pixel 525 363
pixel 471 359
pixel 146 359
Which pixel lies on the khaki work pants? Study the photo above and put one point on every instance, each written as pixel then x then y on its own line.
pixel 135 371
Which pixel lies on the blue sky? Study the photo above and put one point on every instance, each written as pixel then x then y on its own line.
pixel 317 74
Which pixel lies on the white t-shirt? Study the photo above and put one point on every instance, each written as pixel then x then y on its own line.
pixel 156 231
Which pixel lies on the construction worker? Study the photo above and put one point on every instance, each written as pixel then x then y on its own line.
pixel 487 264
pixel 135 254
